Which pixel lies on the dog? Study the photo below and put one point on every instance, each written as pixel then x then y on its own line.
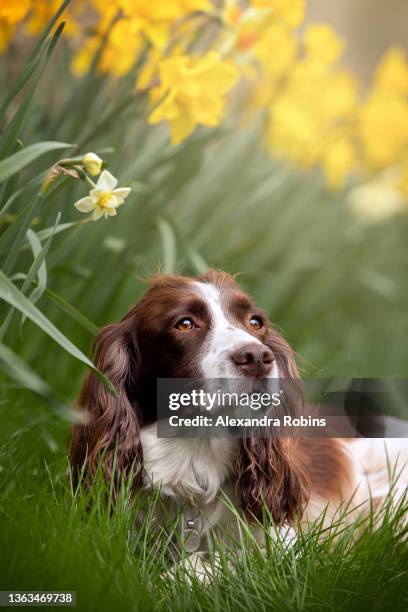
pixel 207 327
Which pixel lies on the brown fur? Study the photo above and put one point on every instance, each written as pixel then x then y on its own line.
pixel 143 347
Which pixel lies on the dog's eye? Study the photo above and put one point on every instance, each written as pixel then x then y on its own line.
pixel 185 324
pixel 256 323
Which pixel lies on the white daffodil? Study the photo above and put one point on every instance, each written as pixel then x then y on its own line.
pixel 379 198
pixel 103 199
pixel 92 163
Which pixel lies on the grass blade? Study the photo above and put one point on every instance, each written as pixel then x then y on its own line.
pixel 13 296
pixel 32 62
pixel 37 267
pixel 169 246
pixel 21 232
pixel 71 311
pixel 18 370
pixel 13 164
pixel 10 134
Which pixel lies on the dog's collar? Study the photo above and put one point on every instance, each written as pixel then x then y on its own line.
pixel 191 528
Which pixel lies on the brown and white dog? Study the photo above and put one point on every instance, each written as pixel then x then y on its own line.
pixel 206 327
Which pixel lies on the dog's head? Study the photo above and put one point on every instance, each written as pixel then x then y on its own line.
pixel 204 327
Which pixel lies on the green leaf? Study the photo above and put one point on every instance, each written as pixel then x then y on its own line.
pixel 6 238
pixel 21 233
pixel 19 371
pixel 48 231
pixel 37 267
pixel 169 246
pixel 71 311
pixel 13 296
pixel 40 252
pixel 35 182
pixel 14 163
pixel 11 133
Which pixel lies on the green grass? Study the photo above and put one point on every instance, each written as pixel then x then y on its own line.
pixel 52 539
pixel 336 287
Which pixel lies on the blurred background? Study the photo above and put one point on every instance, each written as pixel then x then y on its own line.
pixel 268 138
pixel 331 275
pixel 369 26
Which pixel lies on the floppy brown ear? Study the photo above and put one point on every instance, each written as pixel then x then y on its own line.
pixel 109 434
pixel 271 469
pixel 270 472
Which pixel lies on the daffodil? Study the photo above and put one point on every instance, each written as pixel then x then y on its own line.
pixel 383 128
pixel 192 92
pixel 6 34
pixel 43 10
pixel 12 11
pixel 339 160
pixel 92 164
pixel 104 199
pixel 379 198
pixel 276 51
pixel 392 72
pixel 290 11
pixel 322 44
pixel 383 117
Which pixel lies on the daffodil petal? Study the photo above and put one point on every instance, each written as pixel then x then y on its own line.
pixel 85 204
pixel 181 128
pixel 97 214
pixel 106 181
pixel 122 192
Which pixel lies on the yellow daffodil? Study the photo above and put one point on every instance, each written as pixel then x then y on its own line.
pixel 339 160
pixel 322 44
pixel 104 199
pixel 232 13
pixel 290 11
pixel 302 132
pixel 6 34
pixel 192 92
pixel 155 19
pixel 123 47
pixel 392 72
pixel 149 72
pixel 12 11
pixel 43 10
pixel 276 50
pixel 92 163
pixel 149 69
pixel 83 58
pixel 383 128
pixel 403 183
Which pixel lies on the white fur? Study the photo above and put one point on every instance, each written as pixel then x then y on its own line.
pixel 201 470
pixel 223 338
pixel 192 468
pixel 197 470
pixel 377 463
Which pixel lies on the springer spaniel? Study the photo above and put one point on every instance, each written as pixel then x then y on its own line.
pixel 206 327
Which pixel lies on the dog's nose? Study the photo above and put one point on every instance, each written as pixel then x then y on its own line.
pixel 253 360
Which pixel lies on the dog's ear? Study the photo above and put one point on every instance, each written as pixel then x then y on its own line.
pixel 109 434
pixel 270 472
pixel 271 469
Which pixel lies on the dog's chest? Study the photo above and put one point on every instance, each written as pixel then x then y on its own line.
pixel 190 469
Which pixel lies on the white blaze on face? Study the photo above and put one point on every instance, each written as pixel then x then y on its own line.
pixel 223 338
